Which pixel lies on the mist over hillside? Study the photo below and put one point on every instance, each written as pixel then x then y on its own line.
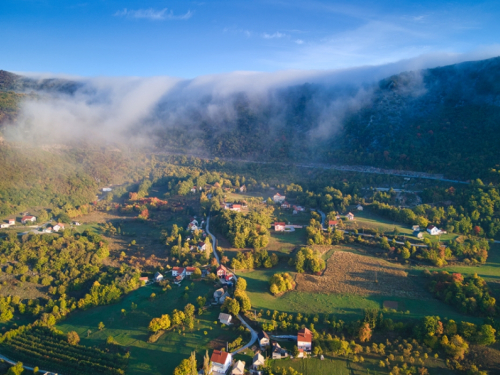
pixel 442 119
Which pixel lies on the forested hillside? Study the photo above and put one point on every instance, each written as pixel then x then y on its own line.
pixel 441 120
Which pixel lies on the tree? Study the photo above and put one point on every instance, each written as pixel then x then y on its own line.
pixel 241 284
pixel 17 369
pixel 486 336
pixel 73 338
pixel 207 364
pixel 365 332
pixel 101 326
pixel 35 370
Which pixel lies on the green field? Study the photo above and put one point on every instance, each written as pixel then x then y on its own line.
pixel 131 331
pixel 370 220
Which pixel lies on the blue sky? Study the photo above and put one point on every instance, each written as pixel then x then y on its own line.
pixel 188 39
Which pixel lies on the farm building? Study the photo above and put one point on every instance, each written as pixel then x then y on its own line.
pixel 433 230
pixel 225 318
pixel 27 219
pixel 418 234
pixel 415 228
pixel 263 339
pixel 12 221
pixel 4 225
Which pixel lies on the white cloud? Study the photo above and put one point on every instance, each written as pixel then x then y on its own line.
pixel 299 41
pixel 152 14
pixel 276 35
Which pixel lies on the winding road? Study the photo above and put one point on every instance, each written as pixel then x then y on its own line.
pixel 252 331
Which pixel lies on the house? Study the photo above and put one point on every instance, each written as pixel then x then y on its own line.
pixel 220 295
pixel 418 234
pixel 204 273
pixel 220 362
pixel 298 208
pixel 179 273
pixel 107 189
pixel 12 221
pixel 295 212
pixel 225 318
pixel 190 270
pixel 258 360
pixel 47 230
pixel 433 231
pixel 263 339
pixel 279 226
pixel 76 223
pixel 158 277
pixel 415 228
pixel 235 207
pixel 144 279
pixel 202 246
pixel 304 341
pixel 278 352
pixel 193 225
pixel 58 226
pixel 278 198
pixel 243 188
pixel 27 219
pixel 285 204
pixel 332 223
pixel 4 225
pixel 228 279
pixel 350 216
pixel 359 207
pixel 193 189
pixel 238 368
pixel 221 271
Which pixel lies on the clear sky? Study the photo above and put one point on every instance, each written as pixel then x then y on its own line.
pixel 189 38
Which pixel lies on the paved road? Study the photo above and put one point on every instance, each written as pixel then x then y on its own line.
pixel 252 332
pixel 4 358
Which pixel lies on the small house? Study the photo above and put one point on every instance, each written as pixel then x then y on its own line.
pixel 158 277
pixel 304 341
pixel 193 189
pixel 332 223
pixel 243 188
pixel 57 227
pixel 76 223
pixel 350 216
pixel 263 339
pixel 238 368
pixel 235 207
pixel 220 362
pixel 179 273
pixel 258 361
pixel 418 234
pixel 279 226
pixel 47 230
pixel 221 271
pixel 359 207
pixel 4 225
pixel 12 221
pixel 299 208
pixel 225 318
pixel 28 219
pixel 190 270
pixel 144 279
pixel 278 352
pixel 278 198
pixel 202 246
pixel 285 205
pixel 433 230
pixel 416 228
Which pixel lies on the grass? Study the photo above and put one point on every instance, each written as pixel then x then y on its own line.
pixel 131 331
pixel 370 220
pixel 287 242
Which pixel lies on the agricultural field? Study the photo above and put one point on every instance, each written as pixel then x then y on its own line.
pixel 131 330
pixel 348 286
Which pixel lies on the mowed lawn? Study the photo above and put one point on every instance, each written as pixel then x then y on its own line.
pixel 132 330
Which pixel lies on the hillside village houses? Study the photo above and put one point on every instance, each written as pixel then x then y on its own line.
pixel 350 216
pixel 332 224
pixel 285 204
pixel 28 219
pixel 220 296
pixel 58 226
pixel 4 225
pixel 263 339
pixel 258 361
pixel 179 273
pixel 224 274
pixel 220 362
pixel 158 277
pixel 278 352
pixel 299 208
pixel 12 221
pixel 278 198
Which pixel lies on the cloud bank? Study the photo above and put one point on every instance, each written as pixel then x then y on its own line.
pixel 134 110
pixel 152 14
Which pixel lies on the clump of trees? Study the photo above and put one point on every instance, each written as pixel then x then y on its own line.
pixel 470 294
pixel 310 260
pixel 254 259
pixel 281 283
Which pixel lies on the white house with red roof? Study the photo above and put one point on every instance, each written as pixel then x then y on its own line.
pixel 27 219
pixel 304 341
pixel 12 221
pixel 279 226
pixel 179 273
pixel 221 271
pixel 190 270
pixel 278 198
pixel 235 207
pixel 58 226
pixel 220 362
pixel 332 223
pixel 434 231
pixel 350 216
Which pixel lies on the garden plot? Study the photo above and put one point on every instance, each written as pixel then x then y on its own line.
pixel 348 273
